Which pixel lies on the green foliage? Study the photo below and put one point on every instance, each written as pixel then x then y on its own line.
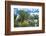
pixel 23 20
pixel 25 24
pixel 36 17
pixel 15 16
pixel 23 15
pixel 32 23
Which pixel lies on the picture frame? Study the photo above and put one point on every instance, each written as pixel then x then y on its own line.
pixel 22 5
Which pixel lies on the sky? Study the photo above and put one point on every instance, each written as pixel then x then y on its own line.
pixel 29 10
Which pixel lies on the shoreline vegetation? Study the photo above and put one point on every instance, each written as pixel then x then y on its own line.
pixel 24 18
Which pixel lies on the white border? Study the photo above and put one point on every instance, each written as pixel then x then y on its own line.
pixel 25 28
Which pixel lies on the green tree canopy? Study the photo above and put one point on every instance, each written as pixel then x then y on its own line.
pixel 23 15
